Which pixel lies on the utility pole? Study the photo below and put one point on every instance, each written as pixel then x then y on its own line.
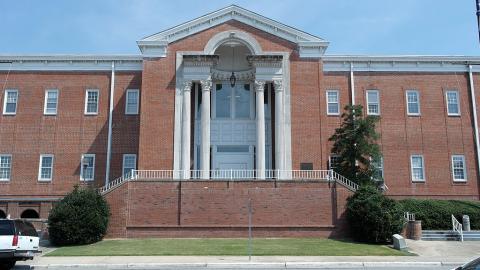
pixel 478 18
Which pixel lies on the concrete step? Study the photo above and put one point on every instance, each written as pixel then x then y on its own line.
pixel 445 235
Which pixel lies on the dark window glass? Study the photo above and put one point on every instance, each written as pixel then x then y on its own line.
pixel 6 227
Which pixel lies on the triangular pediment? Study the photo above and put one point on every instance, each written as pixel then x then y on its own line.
pixel 310 45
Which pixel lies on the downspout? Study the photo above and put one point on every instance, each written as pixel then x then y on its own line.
pixel 352 84
pixel 110 114
pixel 474 109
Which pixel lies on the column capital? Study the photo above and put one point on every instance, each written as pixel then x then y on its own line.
pixel 206 84
pixel 259 85
pixel 278 85
pixel 187 85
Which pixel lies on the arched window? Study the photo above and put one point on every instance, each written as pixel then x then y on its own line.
pixel 29 213
pixel 2 214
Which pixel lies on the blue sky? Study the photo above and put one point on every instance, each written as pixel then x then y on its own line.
pixel 379 27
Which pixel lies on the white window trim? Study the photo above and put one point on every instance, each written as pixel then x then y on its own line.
pixel 418 102
pixel 81 168
pixel 40 168
pixel 126 101
pixel 45 102
pixel 464 169
pixel 5 94
pixel 11 165
pixel 123 161
pixel 86 101
pixel 330 160
pixel 458 102
pixel 328 103
pixel 366 97
pixel 423 169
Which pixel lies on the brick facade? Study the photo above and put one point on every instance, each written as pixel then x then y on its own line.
pixel 219 208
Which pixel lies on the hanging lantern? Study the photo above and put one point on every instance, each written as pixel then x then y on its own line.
pixel 233 79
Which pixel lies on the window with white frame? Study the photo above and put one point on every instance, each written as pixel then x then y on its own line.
pixel 459 170
pixel 333 106
pixel 5 167
pixel 129 163
pixel 373 102
pixel 91 101
pixel 378 165
pixel 333 162
pixel 51 102
pixel 413 102
pixel 10 101
pixel 418 168
pixel 132 101
pixel 45 170
pixel 453 104
pixel 87 167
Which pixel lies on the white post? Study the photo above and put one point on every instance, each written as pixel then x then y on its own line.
pixel 110 115
pixel 279 133
pixel 187 87
pixel 259 90
pixel 352 84
pixel 205 126
pixel 475 119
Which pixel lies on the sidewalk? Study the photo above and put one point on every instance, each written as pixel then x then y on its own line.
pixel 430 254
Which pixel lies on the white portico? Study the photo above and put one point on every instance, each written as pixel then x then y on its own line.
pixel 232 100
pixel 232 111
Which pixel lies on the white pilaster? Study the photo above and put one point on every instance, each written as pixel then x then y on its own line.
pixel 259 90
pixel 205 127
pixel 279 124
pixel 186 122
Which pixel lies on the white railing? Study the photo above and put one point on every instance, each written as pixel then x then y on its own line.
pixel 409 216
pixel 232 175
pixel 457 227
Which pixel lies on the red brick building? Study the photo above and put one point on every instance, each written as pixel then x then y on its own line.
pixel 275 99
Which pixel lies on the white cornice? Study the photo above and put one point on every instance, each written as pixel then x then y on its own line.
pixel 70 62
pixel 401 63
pixel 308 45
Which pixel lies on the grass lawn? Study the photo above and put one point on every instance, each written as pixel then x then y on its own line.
pixel 232 247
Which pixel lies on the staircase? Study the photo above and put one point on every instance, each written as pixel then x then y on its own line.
pixel 434 235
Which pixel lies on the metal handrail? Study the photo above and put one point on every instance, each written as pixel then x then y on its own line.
pixel 409 216
pixel 457 227
pixel 232 175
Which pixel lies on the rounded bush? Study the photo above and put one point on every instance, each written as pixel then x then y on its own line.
pixel 437 214
pixel 372 217
pixel 81 217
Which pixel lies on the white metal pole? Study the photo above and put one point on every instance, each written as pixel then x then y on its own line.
pixel 110 115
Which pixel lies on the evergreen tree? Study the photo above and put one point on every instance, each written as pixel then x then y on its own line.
pixel 356 146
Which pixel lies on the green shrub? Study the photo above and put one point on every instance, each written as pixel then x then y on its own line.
pixel 436 214
pixel 79 218
pixel 373 217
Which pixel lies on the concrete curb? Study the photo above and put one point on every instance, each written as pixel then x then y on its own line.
pixel 246 265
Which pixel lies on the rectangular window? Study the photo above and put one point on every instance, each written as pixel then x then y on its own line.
pixel 129 163
pixel 10 102
pixel 132 101
pixel 87 167
pixel 418 169
pixel 5 167
pixel 373 102
pixel 91 101
pixel 51 101
pixel 453 104
pixel 413 102
pixel 45 170
pixel 333 106
pixel 333 162
pixel 459 169
pixel 379 166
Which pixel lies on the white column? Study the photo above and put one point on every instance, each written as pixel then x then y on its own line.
pixel 186 111
pixel 110 119
pixel 259 90
pixel 279 132
pixel 205 126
